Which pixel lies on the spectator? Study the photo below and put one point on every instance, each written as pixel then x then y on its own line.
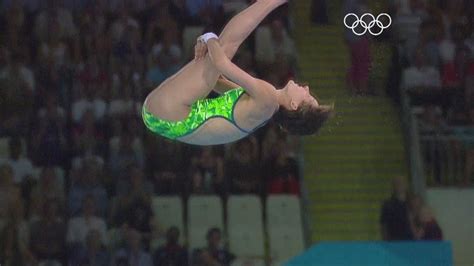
pixel 54 14
pixel 168 173
pixel 171 254
pixel 79 227
pixel 14 240
pixel 49 142
pixel 423 222
pixel 136 183
pixel 279 53
pixel 89 102
pixel 87 137
pixel 19 74
pixel 17 86
pixel 9 192
pixel 125 155
pixel 281 172
pixel 203 10
pixel 48 188
pixel 48 235
pixel 122 103
pixel 133 209
pixel 133 253
pixel 429 42
pixel 87 182
pixel 53 51
pixel 165 60
pixel 420 75
pixel 214 254
pixel 119 27
pixel 21 166
pixel 207 172
pixel 92 253
pixel 454 55
pixel 319 12
pixel 359 46
pixel 243 168
pixel 394 218
pixel 169 17
pixel 133 128
pixel 430 229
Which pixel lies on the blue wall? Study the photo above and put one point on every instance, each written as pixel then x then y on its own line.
pixel 376 254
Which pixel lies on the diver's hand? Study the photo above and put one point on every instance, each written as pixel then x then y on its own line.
pixel 200 50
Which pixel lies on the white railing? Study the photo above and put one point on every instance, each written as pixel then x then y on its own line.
pixel 412 140
pixel 444 156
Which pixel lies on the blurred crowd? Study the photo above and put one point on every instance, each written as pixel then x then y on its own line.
pixel 75 159
pixel 406 216
pixel 435 55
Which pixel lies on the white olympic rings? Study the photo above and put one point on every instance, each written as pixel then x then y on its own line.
pixel 367 27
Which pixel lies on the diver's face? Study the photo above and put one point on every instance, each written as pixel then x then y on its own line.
pixel 299 95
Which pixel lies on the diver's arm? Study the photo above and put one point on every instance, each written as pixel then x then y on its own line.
pixel 262 92
pixel 224 85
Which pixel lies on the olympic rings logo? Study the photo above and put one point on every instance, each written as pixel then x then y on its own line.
pixel 367 26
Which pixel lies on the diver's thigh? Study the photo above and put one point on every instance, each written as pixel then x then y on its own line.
pixel 193 82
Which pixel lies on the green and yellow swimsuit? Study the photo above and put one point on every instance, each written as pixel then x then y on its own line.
pixel 201 111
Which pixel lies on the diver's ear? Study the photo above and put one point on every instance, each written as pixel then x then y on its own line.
pixel 293 105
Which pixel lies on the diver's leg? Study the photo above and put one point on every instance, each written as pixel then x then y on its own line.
pixel 172 99
pixel 244 23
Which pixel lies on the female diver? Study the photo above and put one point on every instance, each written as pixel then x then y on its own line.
pixel 178 108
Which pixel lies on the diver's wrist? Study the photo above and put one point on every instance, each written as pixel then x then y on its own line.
pixel 207 36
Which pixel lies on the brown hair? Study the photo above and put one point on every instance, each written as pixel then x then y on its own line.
pixel 306 120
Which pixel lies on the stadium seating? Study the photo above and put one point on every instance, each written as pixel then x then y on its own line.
pixel 169 211
pixel 245 226
pixel 204 212
pixel 283 215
